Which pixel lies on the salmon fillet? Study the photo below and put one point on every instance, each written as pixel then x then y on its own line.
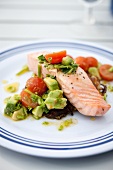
pixel 78 88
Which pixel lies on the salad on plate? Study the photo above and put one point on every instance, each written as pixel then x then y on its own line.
pixel 60 85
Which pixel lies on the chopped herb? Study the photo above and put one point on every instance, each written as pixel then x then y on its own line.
pixel 45 123
pixel 11 107
pixel 41 59
pixel 67 122
pixel 51 76
pixel 39 70
pixel 61 127
pixel 35 97
pixel 105 96
pixel 49 66
pixel 67 69
pixel 110 88
pixel 49 59
pixel 29 108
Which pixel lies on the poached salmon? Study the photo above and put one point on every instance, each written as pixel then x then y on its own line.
pixel 77 87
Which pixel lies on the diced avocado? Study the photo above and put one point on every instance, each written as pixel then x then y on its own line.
pixel 10 108
pixel 67 60
pixel 55 100
pixel 12 105
pixel 37 112
pixel 55 103
pixel 110 88
pixel 52 84
pixel 56 94
pixel 14 99
pixel 111 69
pixel 19 114
pixel 94 72
pixel 99 64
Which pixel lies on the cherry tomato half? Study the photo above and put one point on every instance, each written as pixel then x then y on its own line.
pixel 105 73
pixel 55 58
pixel 26 100
pixel 91 61
pixel 36 85
pixel 82 63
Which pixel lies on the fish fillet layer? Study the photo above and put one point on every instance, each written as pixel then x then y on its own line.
pixel 77 87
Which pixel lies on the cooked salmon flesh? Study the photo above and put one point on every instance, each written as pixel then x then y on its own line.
pixel 78 88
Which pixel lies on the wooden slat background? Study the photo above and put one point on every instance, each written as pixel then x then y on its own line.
pixel 31 20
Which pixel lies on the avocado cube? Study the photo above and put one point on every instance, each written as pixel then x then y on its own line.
pixel 52 84
pixel 37 112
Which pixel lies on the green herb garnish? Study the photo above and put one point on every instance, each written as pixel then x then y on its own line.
pixel 41 59
pixel 35 97
pixel 11 107
pixel 66 69
pixel 39 70
pixel 110 88
pixel 105 96
pixel 51 76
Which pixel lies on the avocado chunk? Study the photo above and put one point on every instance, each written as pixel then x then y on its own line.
pixel 14 99
pixel 67 60
pixel 55 100
pixel 20 114
pixel 55 94
pixel 52 84
pixel 111 69
pixel 12 105
pixel 37 112
pixel 94 72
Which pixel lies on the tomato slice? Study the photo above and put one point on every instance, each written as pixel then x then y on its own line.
pixel 82 63
pixel 36 85
pixel 26 100
pixel 105 73
pixel 55 58
pixel 91 61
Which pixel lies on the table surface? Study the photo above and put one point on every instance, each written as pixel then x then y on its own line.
pixel 27 21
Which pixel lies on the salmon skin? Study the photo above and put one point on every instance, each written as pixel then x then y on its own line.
pixel 77 87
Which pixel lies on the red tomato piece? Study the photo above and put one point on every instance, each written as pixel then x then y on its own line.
pixel 55 58
pixel 82 63
pixel 91 61
pixel 105 73
pixel 36 85
pixel 26 100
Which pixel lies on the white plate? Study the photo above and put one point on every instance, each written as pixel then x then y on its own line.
pixel 30 136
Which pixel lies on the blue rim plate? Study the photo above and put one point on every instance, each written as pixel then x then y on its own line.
pixel 30 136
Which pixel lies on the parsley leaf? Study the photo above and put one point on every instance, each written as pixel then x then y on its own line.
pixel 41 59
